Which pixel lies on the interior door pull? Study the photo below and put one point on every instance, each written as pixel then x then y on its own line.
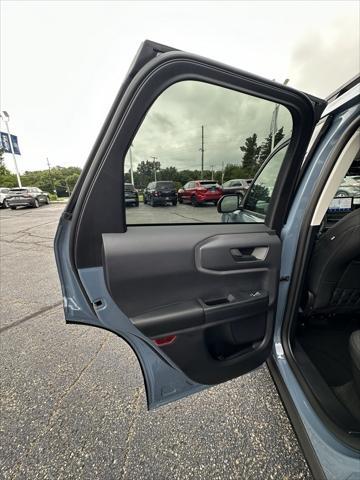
pixel 240 256
pixel 249 254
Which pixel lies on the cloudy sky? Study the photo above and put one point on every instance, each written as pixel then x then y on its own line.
pixel 172 129
pixel 63 62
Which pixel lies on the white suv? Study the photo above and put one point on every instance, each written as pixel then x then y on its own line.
pixel 3 195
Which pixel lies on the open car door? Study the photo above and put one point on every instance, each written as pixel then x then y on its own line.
pixel 195 298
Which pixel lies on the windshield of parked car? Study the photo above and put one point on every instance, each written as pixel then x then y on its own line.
pixel 207 182
pixel 129 187
pixel 165 185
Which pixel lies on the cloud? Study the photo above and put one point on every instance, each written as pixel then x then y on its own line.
pixel 324 59
pixel 172 128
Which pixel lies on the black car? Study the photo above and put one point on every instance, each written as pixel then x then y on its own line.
pixel 160 193
pixel 131 195
pixel 237 185
pixel 27 197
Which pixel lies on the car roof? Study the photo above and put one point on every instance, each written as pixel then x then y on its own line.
pixel 343 88
pixel 347 93
pixel 238 179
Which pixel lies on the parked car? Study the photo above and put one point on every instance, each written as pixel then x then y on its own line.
pixel 350 187
pixel 205 303
pixel 27 197
pixel 4 193
pixel 237 185
pixel 131 195
pixel 160 193
pixel 198 192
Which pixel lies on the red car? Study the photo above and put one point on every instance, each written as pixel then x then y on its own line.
pixel 200 191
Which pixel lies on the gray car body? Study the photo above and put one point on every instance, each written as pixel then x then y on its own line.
pixel 232 186
pixel 337 460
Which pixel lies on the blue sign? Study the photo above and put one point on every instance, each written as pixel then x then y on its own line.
pixel 5 142
pixel 15 144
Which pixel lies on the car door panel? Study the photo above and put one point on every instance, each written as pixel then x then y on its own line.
pixel 194 288
pixel 196 303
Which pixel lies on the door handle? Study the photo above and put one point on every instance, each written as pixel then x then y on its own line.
pixel 249 254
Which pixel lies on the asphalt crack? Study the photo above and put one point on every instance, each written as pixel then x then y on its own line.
pixel 30 317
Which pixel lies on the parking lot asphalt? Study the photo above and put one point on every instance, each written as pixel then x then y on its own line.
pixel 184 213
pixel 73 404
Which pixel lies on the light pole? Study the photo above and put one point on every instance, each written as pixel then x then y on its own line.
pixel 6 117
pixel 154 163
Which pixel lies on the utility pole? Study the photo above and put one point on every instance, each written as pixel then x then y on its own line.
pixel 154 162
pixel 50 175
pixel 212 172
pixel 6 117
pixel 222 172
pixel 202 151
pixel 273 125
pixel 131 166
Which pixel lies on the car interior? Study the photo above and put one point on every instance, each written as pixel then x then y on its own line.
pixel 326 341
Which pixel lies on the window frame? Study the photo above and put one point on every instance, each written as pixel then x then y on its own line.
pixel 99 186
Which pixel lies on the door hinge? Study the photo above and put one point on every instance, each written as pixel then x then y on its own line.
pixel 284 278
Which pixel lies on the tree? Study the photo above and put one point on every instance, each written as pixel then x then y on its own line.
pixel 168 173
pixel 266 145
pixel 7 179
pixel 251 152
pixel 146 172
pixel 71 181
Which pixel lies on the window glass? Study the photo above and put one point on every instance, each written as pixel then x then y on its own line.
pixel 259 195
pixel 347 196
pixel 196 138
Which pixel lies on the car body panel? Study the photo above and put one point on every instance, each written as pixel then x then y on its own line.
pixel 26 196
pixel 160 192
pixel 240 185
pixel 131 195
pixel 202 191
pixel 338 461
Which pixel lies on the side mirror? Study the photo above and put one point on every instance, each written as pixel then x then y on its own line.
pixel 229 203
